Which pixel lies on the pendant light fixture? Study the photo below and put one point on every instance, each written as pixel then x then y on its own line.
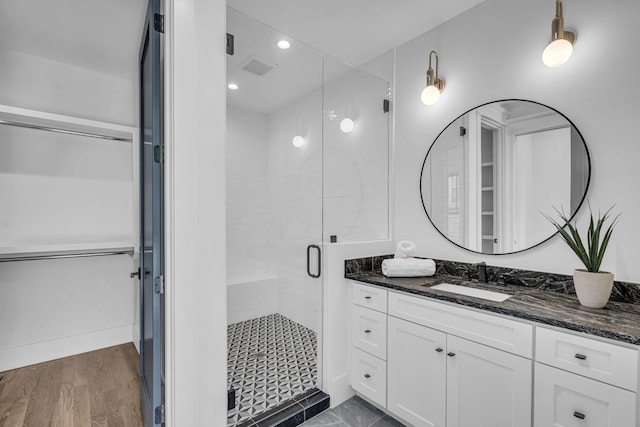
pixel 561 47
pixel 431 93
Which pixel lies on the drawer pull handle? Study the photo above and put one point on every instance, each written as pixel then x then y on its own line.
pixel 367 331
pixel 439 350
pixel 367 297
pixel 581 356
pixel 450 354
pixel 579 415
pixel 369 376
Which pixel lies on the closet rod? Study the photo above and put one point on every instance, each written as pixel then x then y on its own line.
pixel 83 255
pixel 70 132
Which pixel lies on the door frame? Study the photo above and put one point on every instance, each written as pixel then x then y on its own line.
pixel 151 399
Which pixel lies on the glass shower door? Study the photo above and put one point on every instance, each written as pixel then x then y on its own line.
pixel 274 217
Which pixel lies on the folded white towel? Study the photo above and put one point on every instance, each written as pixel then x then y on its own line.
pixel 408 267
pixel 405 249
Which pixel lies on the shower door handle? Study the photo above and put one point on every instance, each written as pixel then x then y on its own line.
pixel 315 276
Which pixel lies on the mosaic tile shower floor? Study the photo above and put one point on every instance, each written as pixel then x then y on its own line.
pixel 271 359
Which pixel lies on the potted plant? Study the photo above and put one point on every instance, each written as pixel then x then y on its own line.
pixel 593 287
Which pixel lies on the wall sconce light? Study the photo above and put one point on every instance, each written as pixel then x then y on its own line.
pixel 347 125
pixel 298 141
pixel 435 86
pixel 561 47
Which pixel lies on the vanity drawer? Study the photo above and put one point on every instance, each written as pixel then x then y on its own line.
pixel 369 331
pixel 370 297
pixel 564 399
pixel 369 376
pixel 602 361
pixel 493 331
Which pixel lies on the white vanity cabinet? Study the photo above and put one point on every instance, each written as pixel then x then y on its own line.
pixel 369 342
pixel 433 364
pixel 584 382
pixel 436 378
pixel 439 372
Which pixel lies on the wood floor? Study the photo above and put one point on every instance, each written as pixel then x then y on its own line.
pixel 99 388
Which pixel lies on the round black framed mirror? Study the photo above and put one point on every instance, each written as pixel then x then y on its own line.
pixel 491 175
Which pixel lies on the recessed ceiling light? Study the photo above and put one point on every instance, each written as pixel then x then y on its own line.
pixel 283 44
pixel 233 86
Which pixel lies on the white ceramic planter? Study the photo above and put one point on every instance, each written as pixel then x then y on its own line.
pixel 593 289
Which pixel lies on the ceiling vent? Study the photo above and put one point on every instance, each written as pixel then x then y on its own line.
pixel 258 68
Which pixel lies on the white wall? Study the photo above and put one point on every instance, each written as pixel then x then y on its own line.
pixel 195 292
pixel 252 290
pixel 535 188
pixel 54 308
pixel 247 213
pixel 493 52
pixel 41 84
pixel 62 188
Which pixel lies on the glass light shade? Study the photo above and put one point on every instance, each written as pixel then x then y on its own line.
pixel 557 53
pixel 430 95
pixel 347 125
pixel 283 44
pixel 297 141
pixel 232 86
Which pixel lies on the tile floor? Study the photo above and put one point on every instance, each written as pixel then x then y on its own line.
pixel 271 360
pixel 355 412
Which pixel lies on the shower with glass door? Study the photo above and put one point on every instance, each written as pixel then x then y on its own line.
pixel 307 156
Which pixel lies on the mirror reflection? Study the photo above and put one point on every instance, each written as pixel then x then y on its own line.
pixel 491 174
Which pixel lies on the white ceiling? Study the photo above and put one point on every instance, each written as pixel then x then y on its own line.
pixel 296 71
pixel 104 35
pixel 99 35
pixel 354 31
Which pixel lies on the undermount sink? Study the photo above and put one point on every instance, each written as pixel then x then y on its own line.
pixel 472 292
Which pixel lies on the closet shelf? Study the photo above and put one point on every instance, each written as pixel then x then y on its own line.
pixel 23 117
pixel 65 250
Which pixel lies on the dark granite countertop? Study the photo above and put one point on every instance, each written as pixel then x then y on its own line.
pixel 618 321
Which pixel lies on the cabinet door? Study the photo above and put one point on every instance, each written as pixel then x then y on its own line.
pixel 563 399
pixel 486 387
pixel 416 368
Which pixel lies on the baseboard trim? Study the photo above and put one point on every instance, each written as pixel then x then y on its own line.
pixel 136 337
pixel 43 351
pixel 340 390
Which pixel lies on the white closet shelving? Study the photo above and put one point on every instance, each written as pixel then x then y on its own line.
pixel 69 194
pixel 95 229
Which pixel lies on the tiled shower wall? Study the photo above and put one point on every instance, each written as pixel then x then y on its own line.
pixel 275 190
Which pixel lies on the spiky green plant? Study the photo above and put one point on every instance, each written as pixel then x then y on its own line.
pixel 592 255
